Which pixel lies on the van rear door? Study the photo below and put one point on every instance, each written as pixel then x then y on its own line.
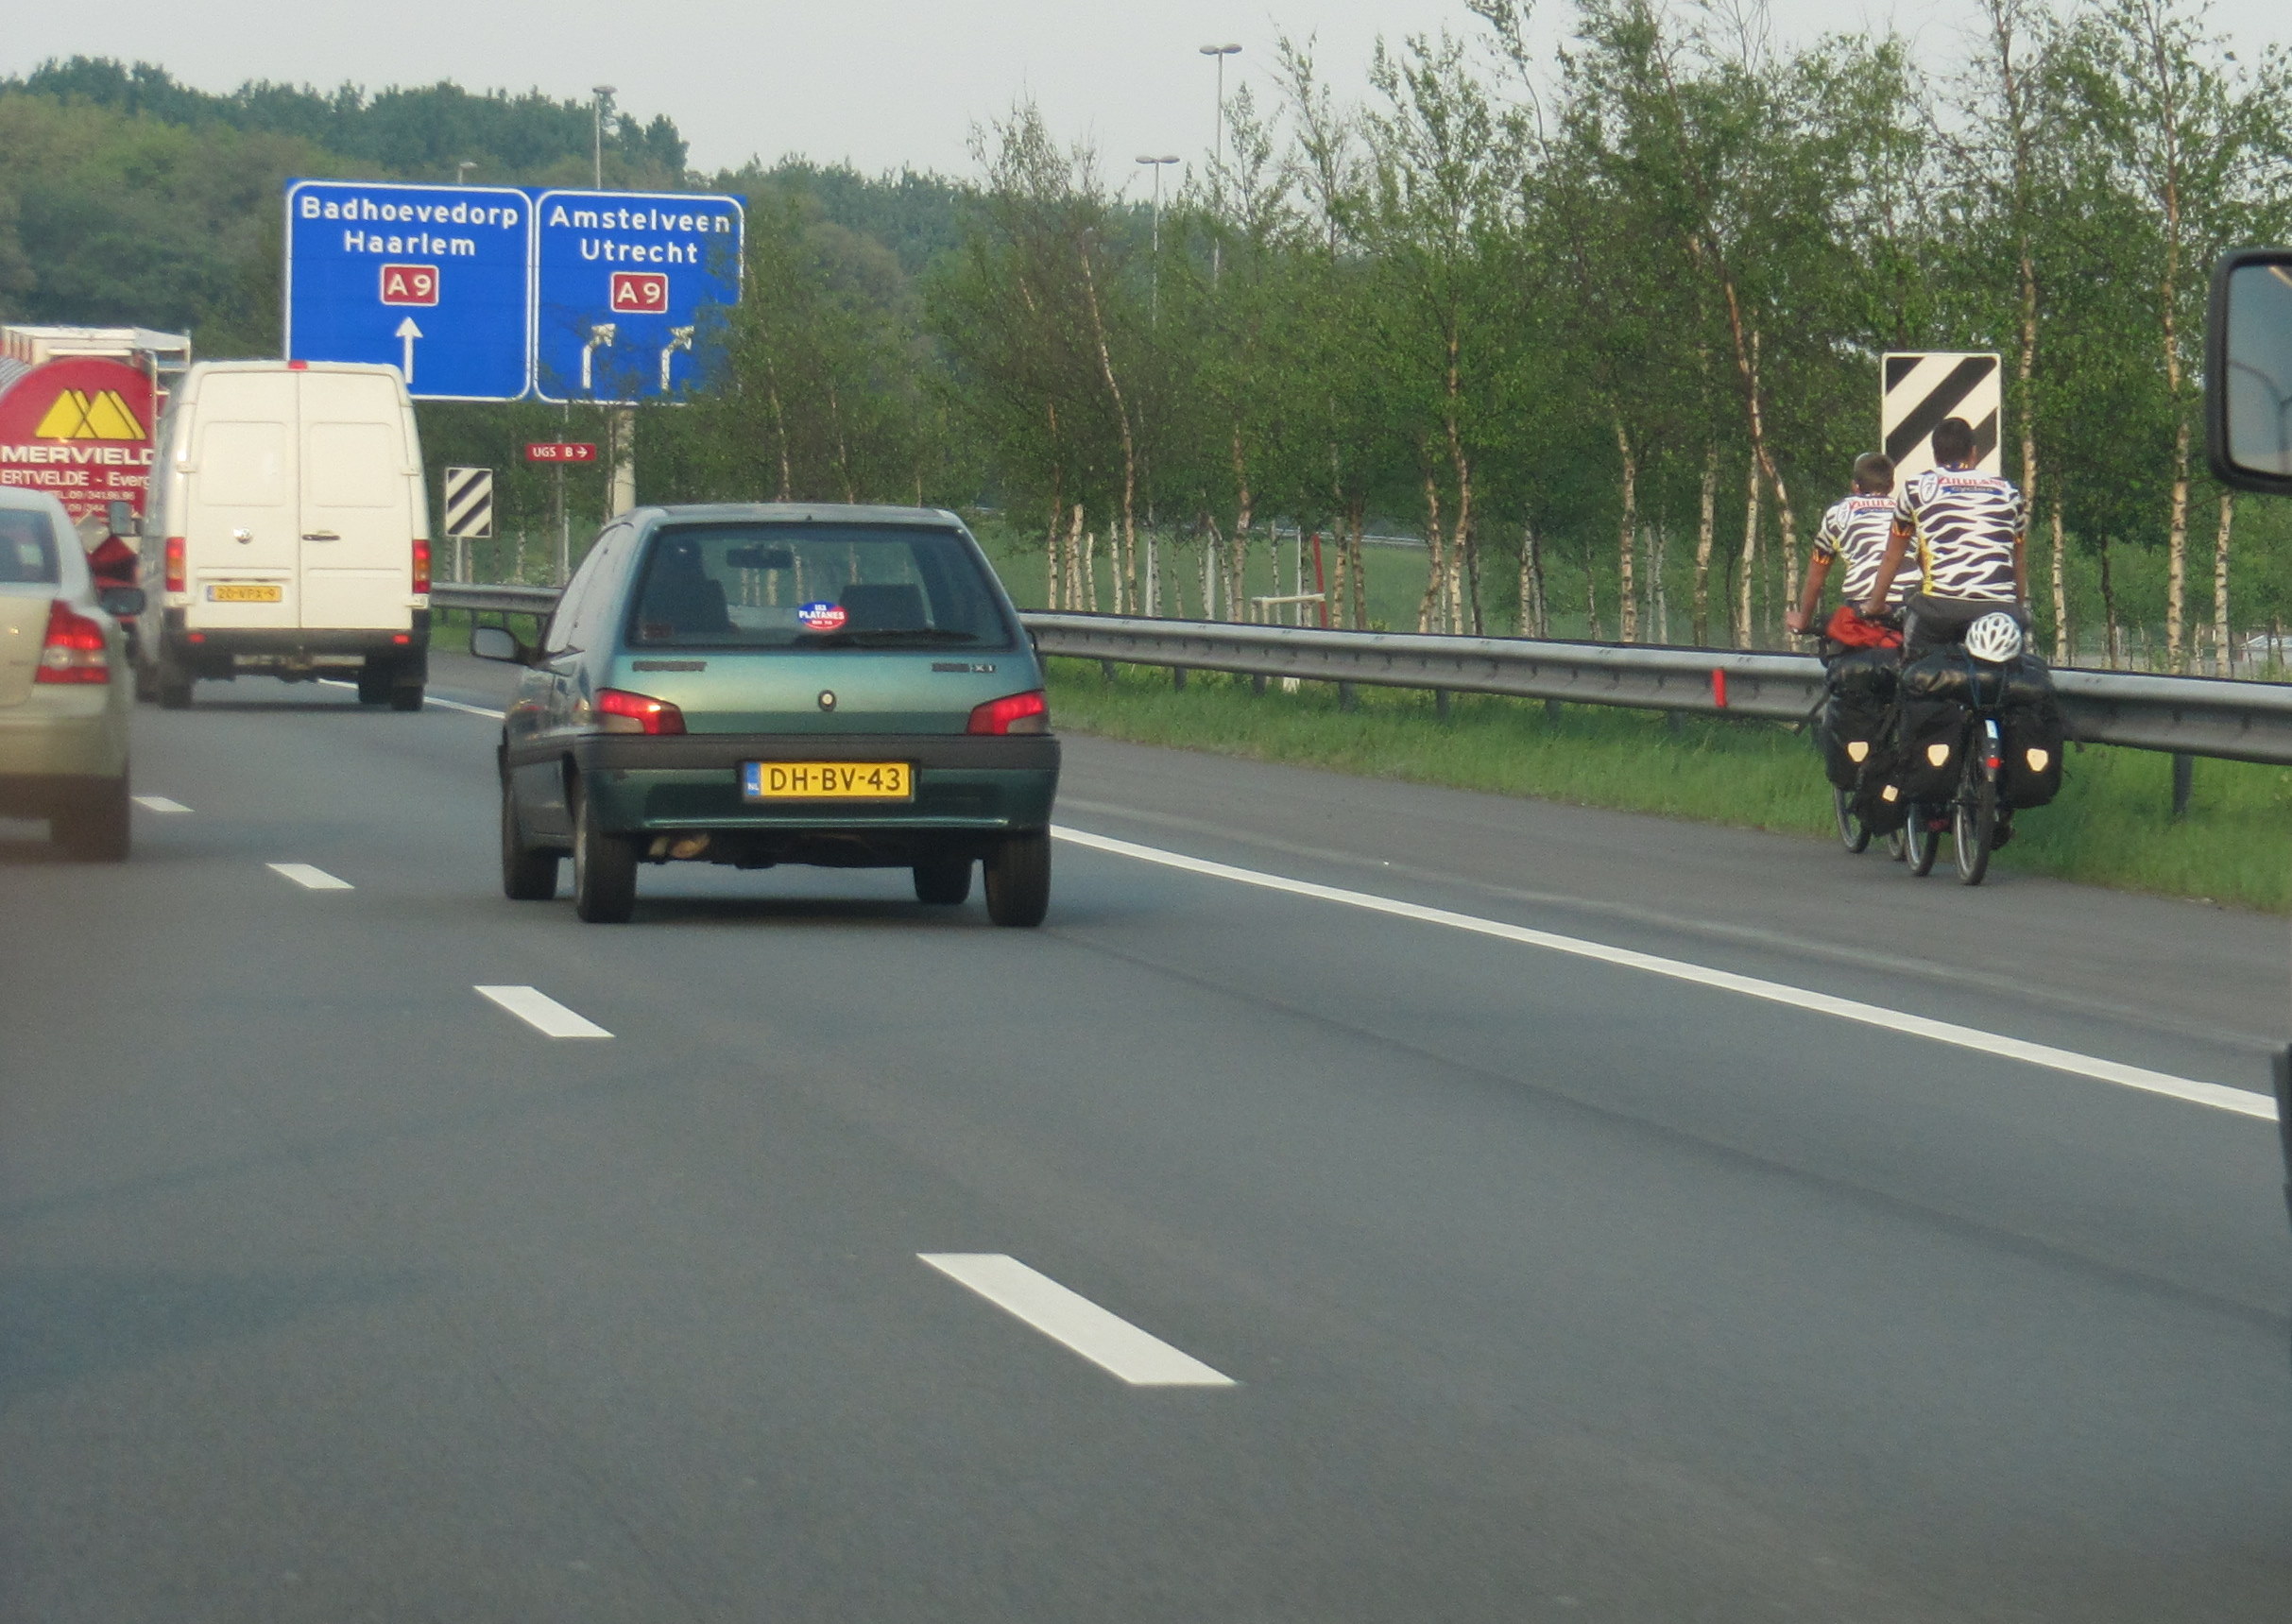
pixel 357 520
pixel 240 518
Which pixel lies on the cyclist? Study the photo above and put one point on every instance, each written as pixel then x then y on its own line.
pixel 1855 529
pixel 1968 529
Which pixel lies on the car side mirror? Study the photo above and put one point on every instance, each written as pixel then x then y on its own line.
pixel 122 603
pixel 2248 374
pixel 496 643
pixel 119 517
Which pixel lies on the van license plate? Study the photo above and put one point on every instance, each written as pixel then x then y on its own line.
pixel 828 781
pixel 243 593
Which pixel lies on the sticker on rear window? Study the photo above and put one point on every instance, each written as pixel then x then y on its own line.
pixel 821 617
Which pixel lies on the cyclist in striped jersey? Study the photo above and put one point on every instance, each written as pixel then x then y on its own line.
pixel 1855 529
pixel 1967 526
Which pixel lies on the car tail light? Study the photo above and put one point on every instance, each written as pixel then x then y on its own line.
pixel 1027 713
pixel 422 565
pixel 73 651
pixel 620 712
pixel 175 565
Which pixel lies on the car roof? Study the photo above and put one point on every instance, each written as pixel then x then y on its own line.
pixel 794 513
pixel 42 501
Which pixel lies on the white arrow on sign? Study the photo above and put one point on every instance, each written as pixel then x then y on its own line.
pixel 408 333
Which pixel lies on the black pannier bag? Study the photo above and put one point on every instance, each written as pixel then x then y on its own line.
pixel 1857 714
pixel 2029 718
pixel 1933 732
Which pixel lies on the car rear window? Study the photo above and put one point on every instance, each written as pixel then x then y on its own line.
pixel 814 587
pixel 27 547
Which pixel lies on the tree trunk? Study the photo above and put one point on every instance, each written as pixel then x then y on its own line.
pixel 1460 541
pixel 1361 562
pixel 2175 567
pixel 780 429
pixel 842 450
pixel 1705 523
pixel 2061 641
pixel 1746 582
pixel 1090 567
pixel 1245 511
pixel 1436 553
pixel 2108 606
pixel 2220 585
pixel 1128 569
pixel 1076 577
pixel 1662 546
pixel 1627 597
pixel 1535 614
pixel 1591 596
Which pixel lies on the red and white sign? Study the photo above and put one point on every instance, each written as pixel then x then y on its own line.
pixel 561 450
pixel 409 285
pixel 81 429
pixel 643 293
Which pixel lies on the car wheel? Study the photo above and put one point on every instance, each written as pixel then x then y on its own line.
pixel 1019 880
pixel 407 697
pixel 174 685
pixel 146 686
pixel 604 869
pixel 528 873
pixel 373 683
pixel 93 826
pixel 943 882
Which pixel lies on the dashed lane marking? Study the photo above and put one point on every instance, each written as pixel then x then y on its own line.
pixel 160 804
pixel 2188 1090
pixel 1107 1339
pixel 311 879
pixel 542 1013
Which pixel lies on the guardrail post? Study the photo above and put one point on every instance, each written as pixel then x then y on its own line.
pixel 1177 678
pixel 1440 703
pixel 1258 682
pixel 1346 698
pixel 1551 711
pixel 2184 779
pixel 1105 669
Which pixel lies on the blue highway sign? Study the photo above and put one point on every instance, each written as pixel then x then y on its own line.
pixel 434 281
pixel 624 283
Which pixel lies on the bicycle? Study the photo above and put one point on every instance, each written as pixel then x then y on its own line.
pixel 1971 814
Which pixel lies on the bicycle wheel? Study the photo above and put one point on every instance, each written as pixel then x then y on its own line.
pixel 1973 826
pixel 1851 833
pixel 1923 839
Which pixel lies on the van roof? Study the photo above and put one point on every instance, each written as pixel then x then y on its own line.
pixel 796 513
pixel 201 369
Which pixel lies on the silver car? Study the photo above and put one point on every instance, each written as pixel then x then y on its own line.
pixel 64 682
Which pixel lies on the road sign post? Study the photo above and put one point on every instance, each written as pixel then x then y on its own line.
pixel 558 453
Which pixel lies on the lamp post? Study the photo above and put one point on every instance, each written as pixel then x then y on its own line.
pixel 1217 142
pixel 1155 164
pixel 461 171
pixel 605 95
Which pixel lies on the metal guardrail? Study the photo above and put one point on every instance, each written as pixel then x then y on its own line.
pixel 2214 717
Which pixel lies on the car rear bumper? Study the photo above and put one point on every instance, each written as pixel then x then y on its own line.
pixel 962 783
pixel 63 733
pixel 221 649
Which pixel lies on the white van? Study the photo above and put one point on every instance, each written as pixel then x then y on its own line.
pixel 287 532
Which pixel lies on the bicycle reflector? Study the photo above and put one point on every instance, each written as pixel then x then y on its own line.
pixel 1938 754
pixel 2038 759
pixel 1857 749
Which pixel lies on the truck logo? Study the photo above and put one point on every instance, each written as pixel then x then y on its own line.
pixel 75 415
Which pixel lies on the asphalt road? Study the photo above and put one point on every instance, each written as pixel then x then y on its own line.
pixel 1528 1285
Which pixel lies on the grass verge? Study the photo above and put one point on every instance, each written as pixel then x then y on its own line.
pixel 2110 826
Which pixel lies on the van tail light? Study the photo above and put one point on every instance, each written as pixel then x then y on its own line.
pixel 620 712
pixel 73 651
pixel 422 565
pixel 1027 713
pixel 176 576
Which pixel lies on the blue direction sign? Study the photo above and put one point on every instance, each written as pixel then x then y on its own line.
pixel 432 279
pixel 625 284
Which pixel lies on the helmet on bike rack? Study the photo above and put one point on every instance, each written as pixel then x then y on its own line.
pixel 1995 638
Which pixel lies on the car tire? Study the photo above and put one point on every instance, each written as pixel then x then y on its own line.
pixel 373 683
pixel 146 686
pixel 604 869
pixel 173 684
pixel 529 874
pixel 1019 880
pixel 406 696
pixel 943 882
pixel 92 827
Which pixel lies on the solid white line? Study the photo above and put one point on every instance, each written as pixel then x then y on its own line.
pixel 1106 1340
pixel 537 1008
pixel 464 709
pixel 2215 1095
pixel 311 879
pixel 160 804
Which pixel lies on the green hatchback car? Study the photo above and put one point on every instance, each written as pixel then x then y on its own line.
pixel 769 683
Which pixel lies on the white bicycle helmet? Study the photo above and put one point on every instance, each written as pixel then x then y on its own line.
pixel 1995 638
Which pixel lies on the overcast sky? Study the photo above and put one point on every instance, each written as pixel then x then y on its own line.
pixel 878 82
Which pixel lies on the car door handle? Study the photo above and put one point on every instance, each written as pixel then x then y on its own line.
pixel 322 536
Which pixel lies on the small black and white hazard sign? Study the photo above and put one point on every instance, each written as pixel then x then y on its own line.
pixel 469 504
pixel 1921 389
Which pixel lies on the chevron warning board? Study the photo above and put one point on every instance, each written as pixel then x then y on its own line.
pixel 469 504
pixel 1921 389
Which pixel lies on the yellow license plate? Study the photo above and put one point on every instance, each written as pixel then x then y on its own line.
pixel 243 593
pixel 828 781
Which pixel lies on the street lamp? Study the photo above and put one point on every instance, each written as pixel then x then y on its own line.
pixel 605 95
pixel 1156 163
pixel 1217 141
pixel 461 171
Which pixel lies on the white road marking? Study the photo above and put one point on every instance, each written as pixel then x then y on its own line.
pixel 537 1008
pixel 464 709
pixel 160 804
pixel 1107 1340
pixel 311 879
pixel 2214 1095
